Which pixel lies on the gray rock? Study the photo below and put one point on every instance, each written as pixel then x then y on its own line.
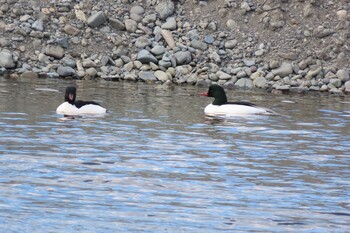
pixel 145 56
pixel 38 25
pixel 343 75
pixel 43 58
pixel 54 51
pixel 147 76
pixel 230 44
pixel 139 10
pixel 91 72
pixel 96 19
pixel 6 60
pixel 284 70
pixel 130 25
pixel 183 57
pixel 161 75
pixel 29 75
pixel 223 76
pixel 313 73
pixel 63 42
pixel 249 62
pixel 335 82
pixel 244 83
pixel 209 39
pixel 170 24
pixel 65 71
pixel 158 50
pixel 197 44
pixel 66 61
pixel 347 86
pixel 142 42
pixel 260 82
pixel 117 24
pixel 165 9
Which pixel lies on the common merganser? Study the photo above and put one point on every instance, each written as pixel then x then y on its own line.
pixel 72 107
pixel 220 106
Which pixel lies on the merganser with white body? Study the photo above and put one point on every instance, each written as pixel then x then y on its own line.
pixel 72 107
pixel 220 106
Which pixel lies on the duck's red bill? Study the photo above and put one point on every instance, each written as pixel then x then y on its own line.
pixel 203 94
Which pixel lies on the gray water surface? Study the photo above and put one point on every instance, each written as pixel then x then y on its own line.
pixel 155 163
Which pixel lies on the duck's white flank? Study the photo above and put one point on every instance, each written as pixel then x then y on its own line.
pixel 235 110
pixel 70 109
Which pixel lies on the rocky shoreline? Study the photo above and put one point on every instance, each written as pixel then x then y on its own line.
pixel 238 43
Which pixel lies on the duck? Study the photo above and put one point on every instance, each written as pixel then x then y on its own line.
pixel 72 107
pixel 221 107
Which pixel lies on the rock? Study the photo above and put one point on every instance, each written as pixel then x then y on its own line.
pixel 147 76
pixel 6 60
pixel 199 45
pixel 284 70
pixel 231 24
pixel 168 37
pixel 80 15
pixel 96 19
pixel 170 24
pixel 313 73
pixel 117 24
pixel 343 75
pixel 65 71
pixel 29 75
pixel 342 15
pixel 248 62
pixel 158 50
pixel 145 56
pixel 38 25
pixel 161 76
pixel 230 44
pixel 335 82
pixel 347 86
pixel 260 82
pixel 54 51
pixel 130 25
pixel 223 76
pixel 244 83
pixel 165 9
pixel 66 61
pixel 70 30
pixel 142 42
pixel 183 57
pixel 91 72
pixel 43 58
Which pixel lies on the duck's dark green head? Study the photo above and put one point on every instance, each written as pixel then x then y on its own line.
pixel 71 93
pixel 218 93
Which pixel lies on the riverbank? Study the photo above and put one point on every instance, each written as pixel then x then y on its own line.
pixel 281 46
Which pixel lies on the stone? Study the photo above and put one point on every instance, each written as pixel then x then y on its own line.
pixel 145 56
pixel 117 24
pixel 249 62
pixel 161 76
pixel 38 25
pixel 260 82
pixel 65 71
pixel 97 19
pixel 91 72
pixel 230 44
pixel 347 86
pixel 343 75
pixel 165 9
pixel 335 82
pixel 6 60
pixel 29 75
pixel 130 25
pixel 68 62
pixel 147 76
pixel 313 73
pixel 142 42
pixel 197 44
pixel 137 9
pixel 80 15
pixel 168 37
pixel 70 30
pixel 170 24
pixel 54 51
pixel 284 70
pixel 244 83
pixel 223 76
pixel 342 15
pixel 158 50
pixel 183 57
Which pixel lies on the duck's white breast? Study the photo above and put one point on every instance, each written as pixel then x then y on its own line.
pixel 233 110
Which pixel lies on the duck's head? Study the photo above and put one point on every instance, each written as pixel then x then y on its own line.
pixel 71 93
pixel 218 93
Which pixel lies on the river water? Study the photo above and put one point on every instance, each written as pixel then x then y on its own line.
pixel 155 163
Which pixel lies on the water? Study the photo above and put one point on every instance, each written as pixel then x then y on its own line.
pixel 154 163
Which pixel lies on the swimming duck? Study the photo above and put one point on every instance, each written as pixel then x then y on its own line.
pixel 221 107
pixel 72 107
